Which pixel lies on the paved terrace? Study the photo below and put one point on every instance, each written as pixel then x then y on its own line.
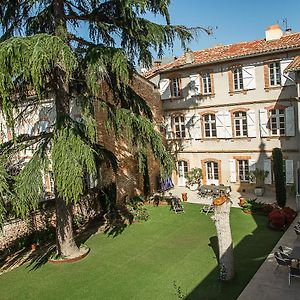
pixel 266 284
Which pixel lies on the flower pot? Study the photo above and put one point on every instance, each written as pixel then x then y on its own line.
pixel 259 191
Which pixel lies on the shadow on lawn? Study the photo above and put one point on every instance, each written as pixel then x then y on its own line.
pixel 249 254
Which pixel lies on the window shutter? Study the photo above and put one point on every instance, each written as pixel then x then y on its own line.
pixel 227 124
pixel 197 127
pixel 289 171
pixel 164 88
pixel 168 124
pixel 263 123
pixel 289 121
pixel 267 167
pixel 266 77
pixel 232 168
pixel 194 84
pixel 251 126
pixel 252 167
pixel 249 77
pixel 212 83
pixel 189 125
pixel 220 126
pixel 230 82
pixel 286 78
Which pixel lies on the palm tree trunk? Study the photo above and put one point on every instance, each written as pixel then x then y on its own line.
pixel 222 223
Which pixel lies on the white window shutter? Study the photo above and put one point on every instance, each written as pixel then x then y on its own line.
pixel 227 124
pixel 164 88
pixel 232 168
pixel 189 125
pixel 251 125
pixel 286 78
pixel 168 124
pixel 267 167
pixel 197 127
pixel 263 123
pixel 252 167
pixel 289 171
pixel 220 125
pixel 194 85
pixel 289 121
pixel 249 77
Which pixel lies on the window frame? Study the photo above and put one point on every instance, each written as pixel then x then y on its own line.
pixel 206 83
pixel 175 87
pixel 243 170
pixel 274 73
pixel 242 121
pixel 212 125
pixel 238 81
pixel 179 127
pixel 278 130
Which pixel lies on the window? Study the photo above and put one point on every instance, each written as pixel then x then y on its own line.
pixel 238 79
pixel 275 74
pixel 179 127
pixel 277 122
pixel 243 170
pixel 240 123
pixel 212 170
pixel 206 83
pixel 210 125
pixel 182 169
pixel 175 87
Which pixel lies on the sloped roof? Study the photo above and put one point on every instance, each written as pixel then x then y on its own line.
pixel 233 51
pixel 294 65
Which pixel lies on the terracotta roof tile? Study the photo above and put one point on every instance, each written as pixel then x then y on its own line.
pixel 294 65
pixel 229 52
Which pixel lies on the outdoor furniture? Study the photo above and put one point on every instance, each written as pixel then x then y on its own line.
pixel 283 253
pixel 176 205
pixel 281 261
pixel 293 272
pixel 214 190
pixel 297 230
pixel 207 209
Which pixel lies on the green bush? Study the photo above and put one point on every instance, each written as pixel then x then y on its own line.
pixel 194 176
pixel 279 177
pixel 136 208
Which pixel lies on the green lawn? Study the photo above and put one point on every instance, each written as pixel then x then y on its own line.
pixel 147 258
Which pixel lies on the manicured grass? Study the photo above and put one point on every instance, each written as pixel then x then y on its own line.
pixel 147 258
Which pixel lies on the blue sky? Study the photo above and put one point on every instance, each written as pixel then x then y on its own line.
pixel 236 21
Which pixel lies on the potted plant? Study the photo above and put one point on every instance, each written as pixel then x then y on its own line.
pixel 259 177
pixel 194 179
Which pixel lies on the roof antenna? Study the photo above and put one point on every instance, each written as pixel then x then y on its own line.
pixel 285 23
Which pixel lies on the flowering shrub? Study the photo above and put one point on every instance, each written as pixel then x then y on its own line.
pixel 281 218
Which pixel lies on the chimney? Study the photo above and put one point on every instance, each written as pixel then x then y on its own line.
pixel 273 32
pixel 157 63
pixel 189 56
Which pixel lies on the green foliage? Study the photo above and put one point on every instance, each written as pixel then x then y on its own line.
pixel 4 189
pixel 194 176
pixel 71 156
pixel 279 177
pixel 259 177
pixel 136 208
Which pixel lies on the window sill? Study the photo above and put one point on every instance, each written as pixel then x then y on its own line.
pixel 273 87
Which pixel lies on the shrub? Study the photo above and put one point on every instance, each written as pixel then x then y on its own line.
pixel 136 208
pixel 194 176
pixel 281 218
pixel 279 177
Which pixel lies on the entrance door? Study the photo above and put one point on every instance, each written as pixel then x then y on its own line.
pixel 182 172
pixel 212 176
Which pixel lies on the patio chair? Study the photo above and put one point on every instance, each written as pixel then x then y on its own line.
pixel 284 252
pixel 293 272
pixel 176 205
pixel 281 261
pixel 207 209
pixel 202 191
pixel 297 230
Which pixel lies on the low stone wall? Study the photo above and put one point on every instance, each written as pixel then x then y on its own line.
pixel 14 229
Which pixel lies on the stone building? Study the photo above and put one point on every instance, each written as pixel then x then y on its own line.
pixel 227 107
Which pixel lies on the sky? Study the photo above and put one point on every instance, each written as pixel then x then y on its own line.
pixel 234 21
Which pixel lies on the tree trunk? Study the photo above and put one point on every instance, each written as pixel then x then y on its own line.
pixel 226 262
pixel 65 243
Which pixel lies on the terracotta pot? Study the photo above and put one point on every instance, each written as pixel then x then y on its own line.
pixel 34 247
